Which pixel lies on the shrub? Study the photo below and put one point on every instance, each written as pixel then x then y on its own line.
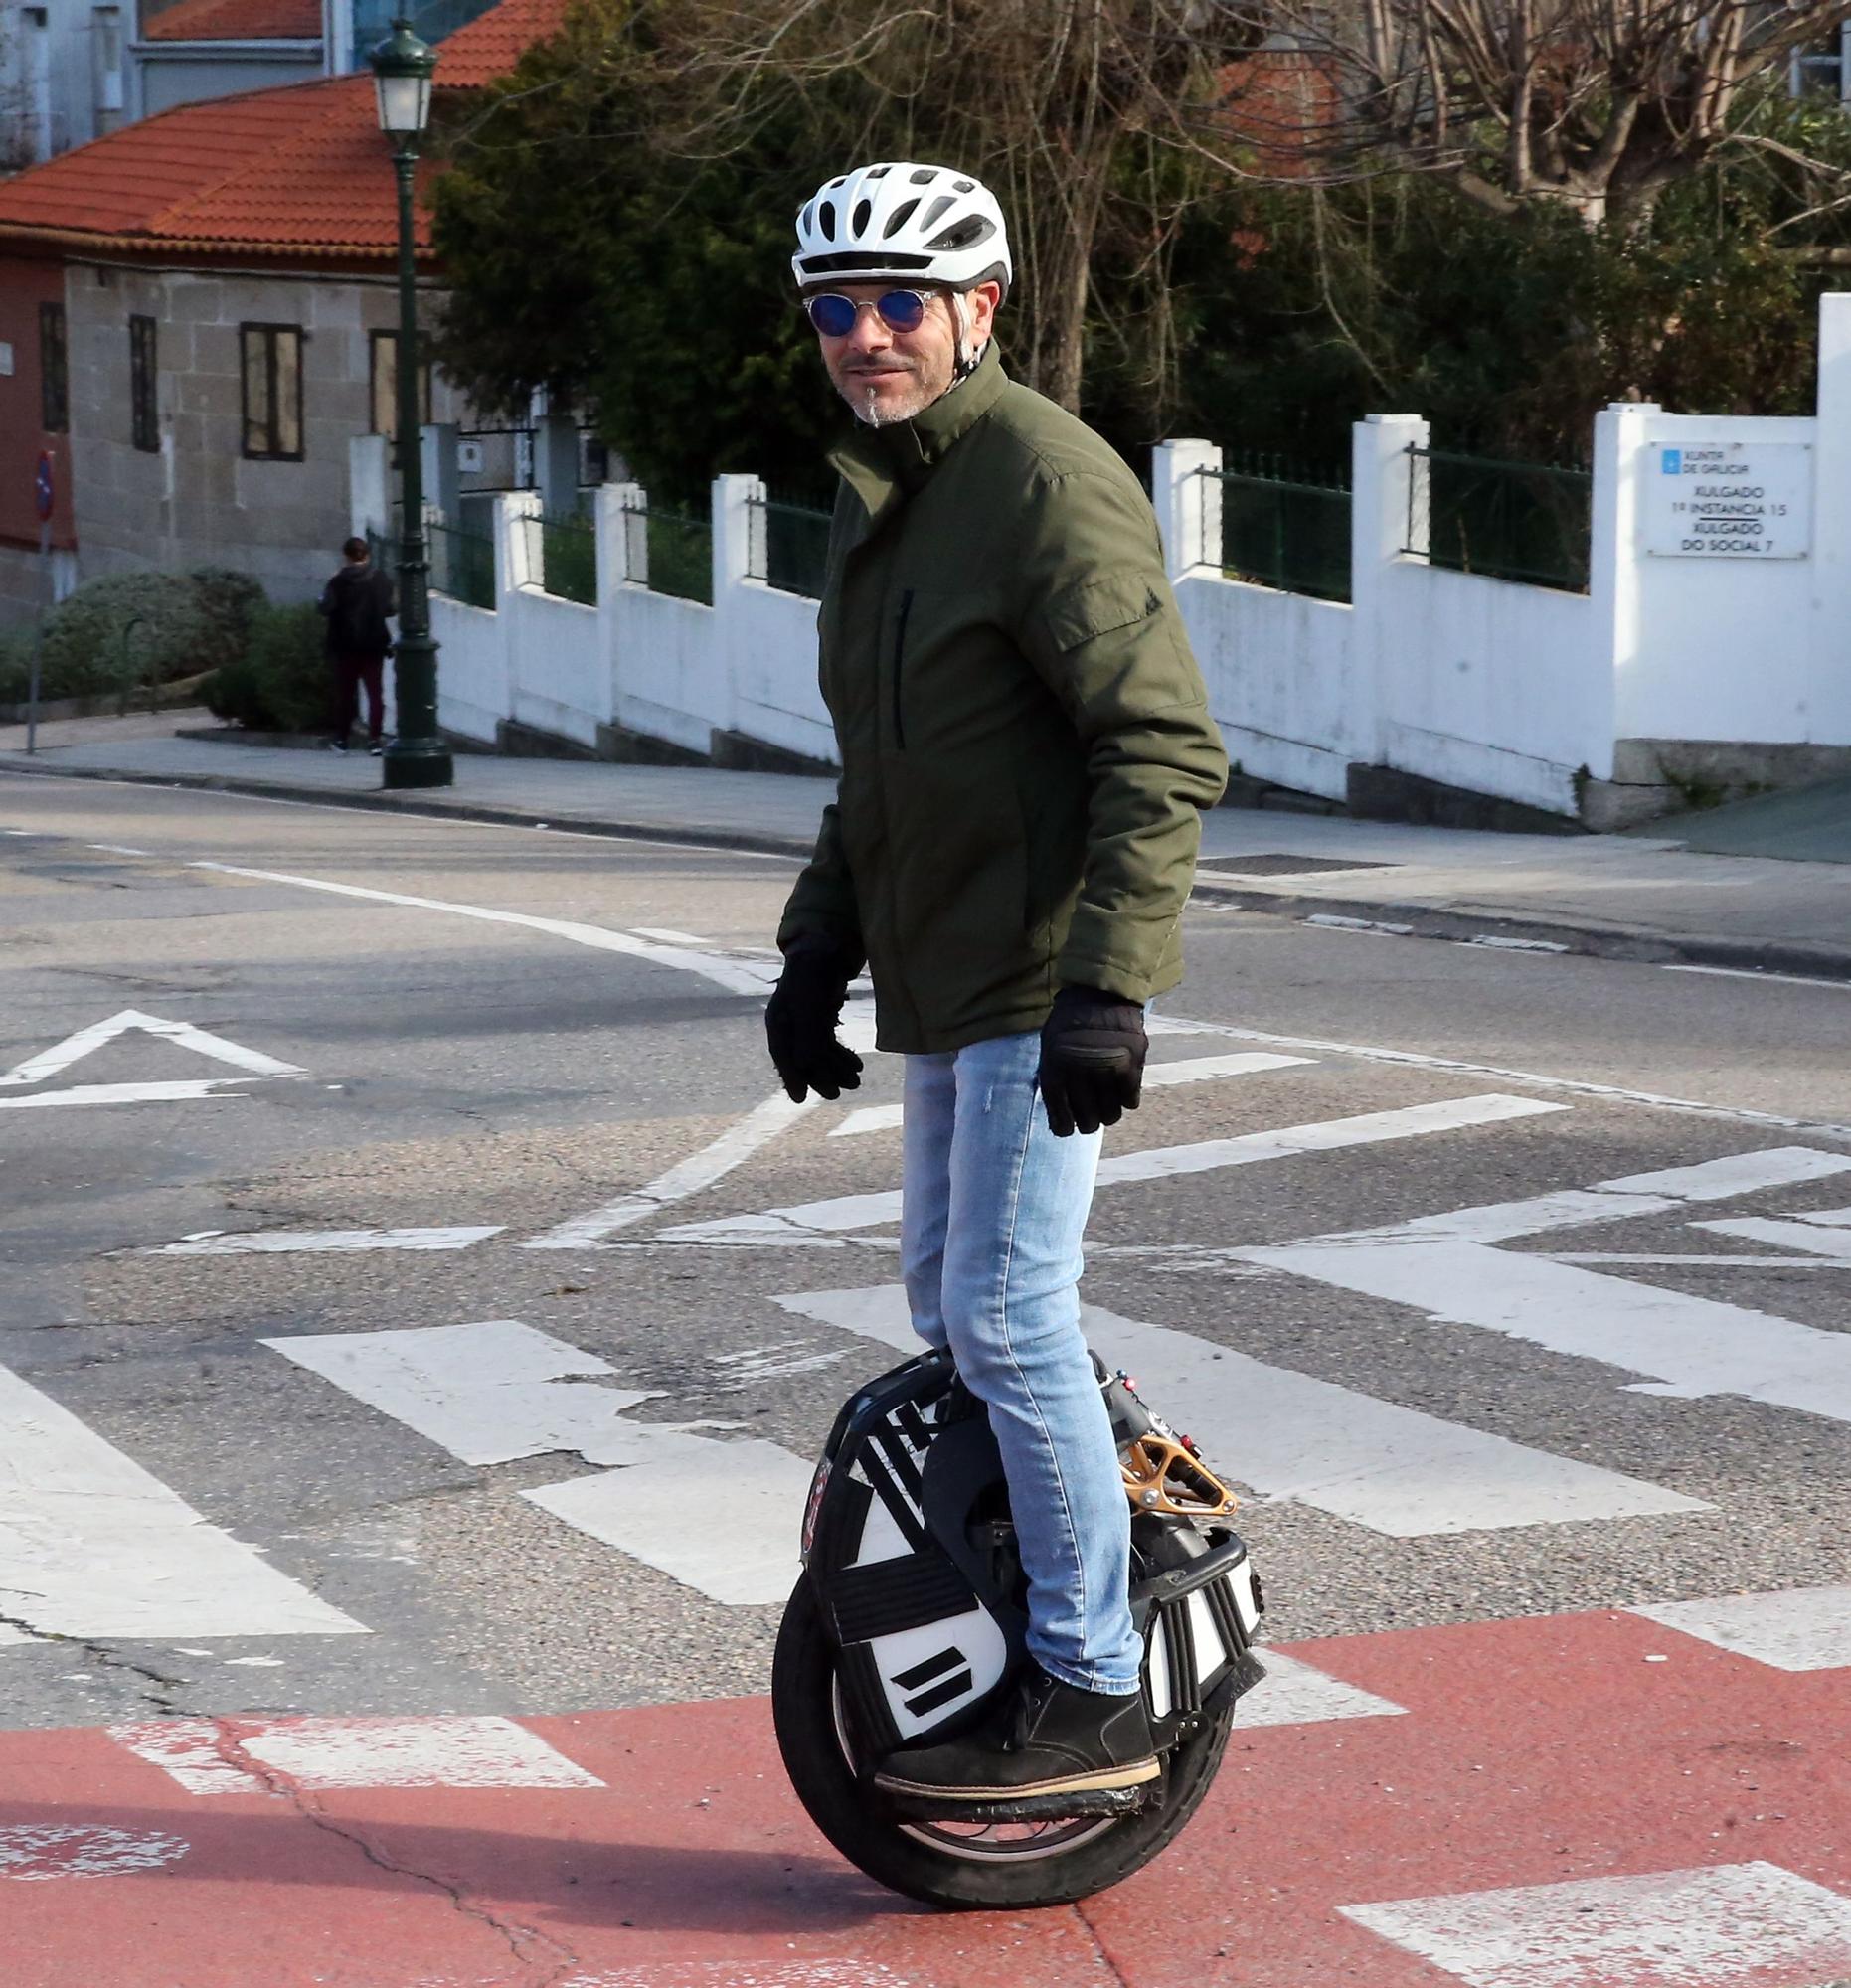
pixel 127 630
pixel 280 683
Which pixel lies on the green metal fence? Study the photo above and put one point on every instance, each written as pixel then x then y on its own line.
pixel 1285 526
pixel 568 560
pixel 680 552
pixel 796 547
pixel 1522 521
pixel 462 564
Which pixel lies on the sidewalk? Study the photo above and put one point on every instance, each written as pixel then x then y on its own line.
pixel 1626 896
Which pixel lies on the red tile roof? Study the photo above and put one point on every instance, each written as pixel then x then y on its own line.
pixel 296 172
pixel 234 21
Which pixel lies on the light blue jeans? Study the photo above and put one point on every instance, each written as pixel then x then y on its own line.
pixel 993 1212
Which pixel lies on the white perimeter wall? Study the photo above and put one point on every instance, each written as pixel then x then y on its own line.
pixel 1483 684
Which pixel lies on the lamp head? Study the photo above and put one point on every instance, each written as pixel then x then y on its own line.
pixel 402 67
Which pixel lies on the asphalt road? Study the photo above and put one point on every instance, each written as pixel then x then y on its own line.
pixel 1668 1400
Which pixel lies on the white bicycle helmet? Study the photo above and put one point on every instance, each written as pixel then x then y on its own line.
pixel 915 224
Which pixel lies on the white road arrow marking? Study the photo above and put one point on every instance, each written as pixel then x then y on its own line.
pixel 60 1056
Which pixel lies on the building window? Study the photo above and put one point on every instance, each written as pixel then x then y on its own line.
pixel 271 360
pixel 54 371
pixel 144 425
pixel 383 373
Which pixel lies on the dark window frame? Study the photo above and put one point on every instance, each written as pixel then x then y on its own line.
pixel 54 370
pixel 144 420
pixel 375 341
pixel 272 335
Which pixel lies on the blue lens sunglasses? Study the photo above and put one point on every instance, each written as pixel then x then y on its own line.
pixel 835 316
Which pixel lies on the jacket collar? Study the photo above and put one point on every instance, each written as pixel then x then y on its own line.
pixel 886 466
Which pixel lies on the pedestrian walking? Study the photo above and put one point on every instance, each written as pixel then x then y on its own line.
pixel 356 603
pixel 1025 746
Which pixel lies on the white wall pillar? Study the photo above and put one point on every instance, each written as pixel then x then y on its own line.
pixel 517 548
pixel 555 464
pixel 1185 492
pixel 739 562
pixel 623 534
pixel 369 484
pixel 1619 447
pixel 1829 649
pixel 442 471
pixel 1387 521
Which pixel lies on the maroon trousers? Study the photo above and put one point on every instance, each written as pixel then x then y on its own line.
pixel 350 672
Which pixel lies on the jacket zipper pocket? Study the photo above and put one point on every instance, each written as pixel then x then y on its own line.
pixel 899 650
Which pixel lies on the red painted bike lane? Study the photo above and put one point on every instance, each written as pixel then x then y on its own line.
pixel 1586 1801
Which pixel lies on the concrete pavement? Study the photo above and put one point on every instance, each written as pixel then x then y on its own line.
pixel 1625 896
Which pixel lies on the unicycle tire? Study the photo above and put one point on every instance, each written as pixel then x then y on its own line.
pixel 962 1868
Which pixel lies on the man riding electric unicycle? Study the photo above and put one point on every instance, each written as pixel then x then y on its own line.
pixel 1026 747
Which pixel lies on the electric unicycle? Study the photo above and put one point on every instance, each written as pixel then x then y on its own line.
pixel 908 1620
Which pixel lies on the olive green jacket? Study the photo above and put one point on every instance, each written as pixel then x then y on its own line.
pixel 1024 735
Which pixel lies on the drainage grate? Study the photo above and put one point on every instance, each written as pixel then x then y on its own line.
pixel 1285 866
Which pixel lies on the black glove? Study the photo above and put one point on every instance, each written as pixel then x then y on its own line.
pixel 1093 1050
pixel 800 1021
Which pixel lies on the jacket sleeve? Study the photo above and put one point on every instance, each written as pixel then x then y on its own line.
pixel 1098 620
pixel 823 898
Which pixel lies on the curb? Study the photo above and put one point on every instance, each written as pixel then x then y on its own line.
pixel 410 801
pixel 1541 934
pixel 1410 920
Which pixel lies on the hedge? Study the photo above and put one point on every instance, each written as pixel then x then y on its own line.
pixel 282 682
pixel 131 631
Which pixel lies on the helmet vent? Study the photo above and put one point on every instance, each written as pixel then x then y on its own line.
pixel 965 185
pixel 806 219
pixel 923 176
pixel 901 214
pixel 825 214
pixel 875 173
pixel 864 209
pixel 936 210
pixel 965 233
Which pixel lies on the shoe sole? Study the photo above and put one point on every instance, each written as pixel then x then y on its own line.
pixel 1116 1781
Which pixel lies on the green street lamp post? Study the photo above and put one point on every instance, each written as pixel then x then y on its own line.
pixel 418 756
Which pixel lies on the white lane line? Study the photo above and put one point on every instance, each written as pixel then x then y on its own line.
pixel 869 1118
pixel 181 1090
pixel 1157 1076
pixel 496 1390
pixel 324 1242
pixel 1703 1928
pixel 1491 942
pixel 448 1751
pixel 1336 921
pixel 1690 1260
pixel 1294 1693
pixel 737 1144
pixel 91 1545
pixel 118 849
pixel 737 1541
pixel 803 1223
pixel 1569 1087
pixel 1802 1234
pixel 735 976
pixel 492 1391
pixel 1748 973
pixel 1691 1347
pixel 749 1974
pixel 1794 1629
pixel 1298 1439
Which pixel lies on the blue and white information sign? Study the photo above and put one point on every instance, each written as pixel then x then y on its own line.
pixel 1729 500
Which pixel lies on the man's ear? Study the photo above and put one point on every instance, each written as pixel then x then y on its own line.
pixel 982 303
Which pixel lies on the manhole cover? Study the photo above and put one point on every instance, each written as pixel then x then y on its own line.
pixel 1286 866
pixel 84 1850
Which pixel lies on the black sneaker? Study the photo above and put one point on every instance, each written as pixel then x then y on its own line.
pixel 376 748
pixel 337 745
pixel 1048 1749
